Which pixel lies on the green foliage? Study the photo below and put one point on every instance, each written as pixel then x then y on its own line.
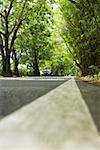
pixel 59 34
pixel 40 33
pixel 35 33
pixel 80 31
pixel 23 71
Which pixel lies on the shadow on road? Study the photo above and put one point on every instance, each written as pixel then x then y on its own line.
pixel 91 96
pixel 16 93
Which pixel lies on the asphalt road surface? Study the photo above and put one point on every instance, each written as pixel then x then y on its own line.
pixel 63 115
pixel 16 92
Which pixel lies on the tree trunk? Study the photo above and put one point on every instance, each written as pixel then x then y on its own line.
pixel 9 38
pixel 16 62
pixel 85 70
pixel 85 62
pixel 2 54
pixel 36 71
pixel 16 71
pixel 3 65
pixel 7 71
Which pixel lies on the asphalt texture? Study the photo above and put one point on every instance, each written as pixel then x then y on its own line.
pixel 64 117
pixel 17 92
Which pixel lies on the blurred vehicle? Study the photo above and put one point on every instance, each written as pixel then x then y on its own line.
pixel 46 72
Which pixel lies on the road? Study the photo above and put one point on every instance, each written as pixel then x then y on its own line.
pixel 16 92
pixel 65 117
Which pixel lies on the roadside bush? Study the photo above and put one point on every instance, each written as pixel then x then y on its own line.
pixel 22 70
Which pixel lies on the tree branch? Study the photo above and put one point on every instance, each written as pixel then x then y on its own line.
pixel 10 7
pixel 16 26
pixel 1 46
pixel 13 28
pixel 18 18
pixel 2 15
pixel 21 14
pixel 15 33
pixel 77 64
pixel 2 33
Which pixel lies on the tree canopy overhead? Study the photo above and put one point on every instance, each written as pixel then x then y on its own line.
pixel 59 34
pixel 80 29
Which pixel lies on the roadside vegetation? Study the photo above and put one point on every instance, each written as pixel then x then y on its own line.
pixel 57 35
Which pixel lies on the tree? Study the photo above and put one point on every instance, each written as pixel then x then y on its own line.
pixel 80 31
pixel 35 34
pixel 11 20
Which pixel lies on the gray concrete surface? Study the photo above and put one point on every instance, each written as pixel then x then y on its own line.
pixel 16 92
pixel 91 96
pixel 59 120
